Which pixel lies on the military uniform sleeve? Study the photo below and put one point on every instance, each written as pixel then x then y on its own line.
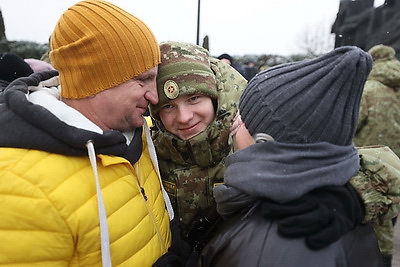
pixel 363 114
pixel 378 183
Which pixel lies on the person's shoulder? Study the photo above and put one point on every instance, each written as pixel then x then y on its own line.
pixel 373 87
pixel 225 73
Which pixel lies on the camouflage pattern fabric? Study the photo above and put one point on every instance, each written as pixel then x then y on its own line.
pixel 384 233
pixel 191 168
pixel 378 184
pixel 382 53
pixel 379 120
pixel 379 124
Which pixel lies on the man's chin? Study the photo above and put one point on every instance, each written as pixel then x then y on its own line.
pixel 138 122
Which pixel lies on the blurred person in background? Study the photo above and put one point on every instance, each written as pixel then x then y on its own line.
pixel 12 67
pixel 379 122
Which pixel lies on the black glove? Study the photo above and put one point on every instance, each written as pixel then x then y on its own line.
pixel 179 251
pixel 322 216
pixel 169 259
pixel 202 228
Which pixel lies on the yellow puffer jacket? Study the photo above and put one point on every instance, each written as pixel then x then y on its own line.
pixel 52 213
pixel 55 222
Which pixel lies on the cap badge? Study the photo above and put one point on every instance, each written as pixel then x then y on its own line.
pixel 171 89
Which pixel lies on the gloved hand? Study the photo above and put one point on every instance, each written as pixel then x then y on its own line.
pixel 322 216
pixel 169 259
pixel 179 251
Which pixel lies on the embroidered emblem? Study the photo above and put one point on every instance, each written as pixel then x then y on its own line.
pixel 170 188
pixel 171 89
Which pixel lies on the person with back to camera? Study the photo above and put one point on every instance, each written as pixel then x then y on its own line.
pixel 77 166
pixel 303 117
pixel 379 121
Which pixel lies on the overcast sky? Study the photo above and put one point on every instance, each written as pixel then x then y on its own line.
pixel 235 27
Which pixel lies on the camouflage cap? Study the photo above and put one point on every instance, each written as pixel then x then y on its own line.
pixel 379 52
pixel 184 69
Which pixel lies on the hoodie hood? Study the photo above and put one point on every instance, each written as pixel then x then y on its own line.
pixel 32 126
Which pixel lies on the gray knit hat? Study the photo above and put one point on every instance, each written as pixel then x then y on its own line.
pixel 308 101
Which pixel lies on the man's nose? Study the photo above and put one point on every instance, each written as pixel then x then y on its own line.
pixel 152 95
pixel 184 114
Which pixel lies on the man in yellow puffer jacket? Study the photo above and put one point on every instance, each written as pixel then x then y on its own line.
pixel 78 177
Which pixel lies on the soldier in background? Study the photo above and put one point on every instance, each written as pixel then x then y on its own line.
pixel 379 121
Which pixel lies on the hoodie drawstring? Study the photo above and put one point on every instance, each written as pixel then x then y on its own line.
pixel 104 237
pixel 153 156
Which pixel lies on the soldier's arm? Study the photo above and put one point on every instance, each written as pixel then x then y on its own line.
pixel 378 183
pixel 363 114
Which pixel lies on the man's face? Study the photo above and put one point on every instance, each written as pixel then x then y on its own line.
pixel 187 115
pixel 122 107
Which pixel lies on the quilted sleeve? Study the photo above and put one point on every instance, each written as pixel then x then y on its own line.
pixel 31 230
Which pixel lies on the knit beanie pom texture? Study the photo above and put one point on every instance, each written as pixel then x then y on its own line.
pixel 308 101
pixel 97 45
pixel 184 69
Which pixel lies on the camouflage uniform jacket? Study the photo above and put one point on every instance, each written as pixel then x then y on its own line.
pixel 191 168
pixel 379 124
pixel 378 184
pixel 379 120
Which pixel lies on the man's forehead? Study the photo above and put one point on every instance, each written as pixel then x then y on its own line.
pixel 147 74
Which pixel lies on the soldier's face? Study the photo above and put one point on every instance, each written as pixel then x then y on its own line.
pixel 187 115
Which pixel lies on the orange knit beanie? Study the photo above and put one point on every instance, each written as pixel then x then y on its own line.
pixel 97 45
